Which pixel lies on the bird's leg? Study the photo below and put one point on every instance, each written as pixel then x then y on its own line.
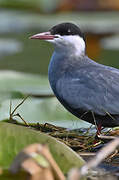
pixel 99 127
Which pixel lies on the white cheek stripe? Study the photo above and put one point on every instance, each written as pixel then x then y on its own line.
pixel 71 43
pixel 77 42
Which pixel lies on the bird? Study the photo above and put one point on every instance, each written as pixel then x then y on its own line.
pixel 87 89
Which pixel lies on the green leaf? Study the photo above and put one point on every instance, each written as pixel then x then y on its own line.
pixel 14 138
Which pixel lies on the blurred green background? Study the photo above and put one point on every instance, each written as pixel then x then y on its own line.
pixel 19 19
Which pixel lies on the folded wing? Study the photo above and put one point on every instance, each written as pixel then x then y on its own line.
pixel 91 89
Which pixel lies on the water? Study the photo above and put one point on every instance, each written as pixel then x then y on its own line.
pixel 33 56
pixel 20 53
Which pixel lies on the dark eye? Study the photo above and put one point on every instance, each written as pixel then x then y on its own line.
pixel 56 36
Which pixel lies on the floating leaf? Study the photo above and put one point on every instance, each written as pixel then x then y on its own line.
pixel 14 138
pixel 12 82
pixel 35 110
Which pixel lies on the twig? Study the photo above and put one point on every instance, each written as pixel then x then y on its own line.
pixel 83 114
pixel 110 115
pixel 88 129
pixel 21 118
pixel 19 105
pixel 95 122
pixel 101 155
pixel 12 112
pixel 31 159
pixel 106 137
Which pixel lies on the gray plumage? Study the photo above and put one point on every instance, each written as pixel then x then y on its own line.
pixel 83 85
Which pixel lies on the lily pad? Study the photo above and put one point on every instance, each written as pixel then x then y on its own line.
pixel 9 46
pixel 35 110
pixel 14 138
pixel 11 81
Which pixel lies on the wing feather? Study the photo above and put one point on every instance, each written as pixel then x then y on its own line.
pixel 91 89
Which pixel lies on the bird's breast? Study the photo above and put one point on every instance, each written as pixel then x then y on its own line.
pixel 62 65
pixel 57 68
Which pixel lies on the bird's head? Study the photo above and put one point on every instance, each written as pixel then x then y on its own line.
pixel 65 37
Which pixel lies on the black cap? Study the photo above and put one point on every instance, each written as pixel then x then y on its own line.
pixel 66 29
